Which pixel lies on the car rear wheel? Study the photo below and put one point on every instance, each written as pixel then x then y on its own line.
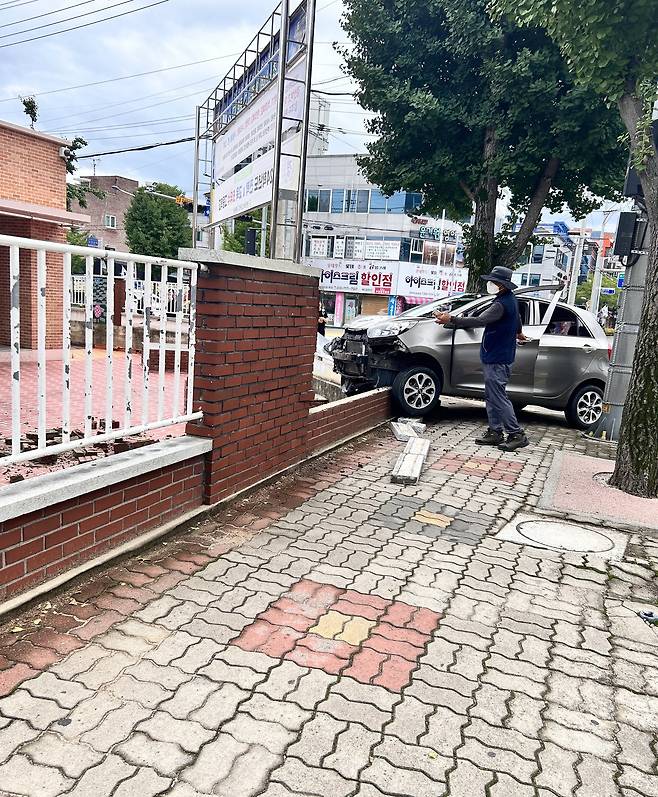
pixel 585 407
pixel 417 390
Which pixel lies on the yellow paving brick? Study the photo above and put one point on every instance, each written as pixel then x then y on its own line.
pixel 330 625
pixel 356 630
pixel 435 520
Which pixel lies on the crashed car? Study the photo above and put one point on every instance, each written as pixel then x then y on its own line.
pixel 563 366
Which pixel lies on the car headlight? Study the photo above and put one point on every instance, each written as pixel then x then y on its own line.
pixel 391 329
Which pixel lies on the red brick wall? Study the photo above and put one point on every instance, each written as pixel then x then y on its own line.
pixel 26 228
pixel 256 336
pixel 31 169
pixel 331 423
pixel 37 546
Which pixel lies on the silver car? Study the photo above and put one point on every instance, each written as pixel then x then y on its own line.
pixel 564 365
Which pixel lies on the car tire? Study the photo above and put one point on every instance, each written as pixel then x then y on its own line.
pixel 585 407
pixel 417 391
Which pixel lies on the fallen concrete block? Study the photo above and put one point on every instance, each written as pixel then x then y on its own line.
pixel 414 423
pixel 410 463
pixel 403 431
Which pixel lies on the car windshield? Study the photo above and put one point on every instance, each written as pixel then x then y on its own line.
pixel 444 304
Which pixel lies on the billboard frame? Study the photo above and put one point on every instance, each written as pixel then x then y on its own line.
pixel 265 61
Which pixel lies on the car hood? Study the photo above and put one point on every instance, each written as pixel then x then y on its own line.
pixel 367 321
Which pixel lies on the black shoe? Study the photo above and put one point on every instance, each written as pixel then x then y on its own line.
pixel 514 441
pixel 490 438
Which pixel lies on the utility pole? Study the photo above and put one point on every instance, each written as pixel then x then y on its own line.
pixel 595 296
pixel 575 265
pixel 626 331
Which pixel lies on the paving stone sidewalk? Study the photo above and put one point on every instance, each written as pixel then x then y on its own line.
pixel 337 634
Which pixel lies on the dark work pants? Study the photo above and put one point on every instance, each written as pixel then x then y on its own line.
pixel 499 408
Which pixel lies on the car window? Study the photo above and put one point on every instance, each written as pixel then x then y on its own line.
pixel 524 310
pixel 446 304
pixel 565 323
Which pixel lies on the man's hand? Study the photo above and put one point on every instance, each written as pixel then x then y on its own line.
pixel 442 318
pixel 521 338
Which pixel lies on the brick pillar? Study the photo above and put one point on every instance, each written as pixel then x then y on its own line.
pixel 26 228
pixel 256 337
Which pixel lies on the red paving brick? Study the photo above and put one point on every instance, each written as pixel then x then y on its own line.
pixel 36 657
pixel 366 665
pixel 13 676
pixel 326 662
pixel 391 646
pixel 61 643
pixel 294 620
pixel 396 673
pixel 97 625
pixel 357 609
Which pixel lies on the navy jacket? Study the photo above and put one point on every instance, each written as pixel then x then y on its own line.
pixel 502 323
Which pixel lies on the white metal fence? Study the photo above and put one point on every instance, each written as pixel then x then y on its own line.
pixel 154 338
pixel 171 291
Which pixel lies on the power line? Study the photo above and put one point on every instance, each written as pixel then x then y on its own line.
pixel 122 77
pixel 9 4
pixel 49 13
pixel 86 25
pixel 137 149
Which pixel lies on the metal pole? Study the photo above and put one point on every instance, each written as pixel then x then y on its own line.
pixel 195 192
pixel 263 231
pixel 278 129
pixel 595 296
pixel 575 267
pixel 303 150
pixel 626 331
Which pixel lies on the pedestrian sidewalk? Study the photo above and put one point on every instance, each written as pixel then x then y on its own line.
pixel 336 634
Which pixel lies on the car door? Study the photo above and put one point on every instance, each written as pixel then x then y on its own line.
pixel 566 351
pixel 467 375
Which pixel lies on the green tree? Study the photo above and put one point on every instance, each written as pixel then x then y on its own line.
pixel 612 48
pixel 235 241
pixel 77 237
pixel 155 225
pixel 74 192
pixel 466 107
pixel 31 109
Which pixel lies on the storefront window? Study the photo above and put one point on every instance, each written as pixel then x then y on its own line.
pixel 416 250
pixel 328 302
pixel 324 200
pixel 412 202
pixel 377 202
pixel 352 307
pixel 337 201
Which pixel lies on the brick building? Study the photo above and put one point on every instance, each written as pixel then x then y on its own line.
pixel 33 205
pixel 107 214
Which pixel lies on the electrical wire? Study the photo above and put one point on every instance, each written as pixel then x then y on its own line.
pixel 50 13
pixel 68 19
pixel 137 149
pixel 86 25
pixel 9 4
pixel 122 77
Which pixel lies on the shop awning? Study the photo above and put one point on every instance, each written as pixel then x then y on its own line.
pixel 27 210
pixel 418 299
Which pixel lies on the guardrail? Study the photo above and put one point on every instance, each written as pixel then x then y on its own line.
pixel 152 414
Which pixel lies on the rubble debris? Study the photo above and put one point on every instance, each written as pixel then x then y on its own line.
pixel 410 463
pixel 403 431
pixel 419 426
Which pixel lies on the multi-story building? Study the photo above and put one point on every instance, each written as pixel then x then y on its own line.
pixel 378 254
pixel 107 214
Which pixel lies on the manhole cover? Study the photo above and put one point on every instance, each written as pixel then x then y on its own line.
pixel 565 536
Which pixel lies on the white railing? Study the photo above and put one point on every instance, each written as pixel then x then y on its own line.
pixel 138 399
pixel 78 299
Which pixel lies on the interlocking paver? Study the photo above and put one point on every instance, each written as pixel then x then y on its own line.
pixel 372 640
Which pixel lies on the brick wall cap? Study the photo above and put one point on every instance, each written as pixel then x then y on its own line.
pixel 328 408
pixel 12 207
pixel 209 256
pixel 27 131
pixel 53 488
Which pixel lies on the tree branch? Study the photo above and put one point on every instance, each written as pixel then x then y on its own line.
pixel 468 191
pixel 511 254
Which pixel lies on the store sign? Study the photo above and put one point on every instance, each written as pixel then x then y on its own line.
pixel 426 281
pixel 426 233
pixel 352 276
pixel 382 250
pixel 253 129
pixel 319 247
pixel 339 247
pixel 251 187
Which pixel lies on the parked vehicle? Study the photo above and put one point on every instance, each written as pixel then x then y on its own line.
pixel 564 366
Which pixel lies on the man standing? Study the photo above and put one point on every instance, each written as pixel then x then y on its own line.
pixel 502 329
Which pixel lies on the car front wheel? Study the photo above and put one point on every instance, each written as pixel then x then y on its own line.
pixel 417 391
pixel 585 407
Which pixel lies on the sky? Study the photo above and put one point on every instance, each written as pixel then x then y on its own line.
pixel 150 108
pixel 157 107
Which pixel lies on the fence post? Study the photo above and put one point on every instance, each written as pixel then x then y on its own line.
pixel 255 340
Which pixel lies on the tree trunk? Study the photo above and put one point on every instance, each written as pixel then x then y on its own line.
pixel 513 252
pixel 481 245
pixel 636 468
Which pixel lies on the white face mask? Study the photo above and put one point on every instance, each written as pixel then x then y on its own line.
pixel 492 288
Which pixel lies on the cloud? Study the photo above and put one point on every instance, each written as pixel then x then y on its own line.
pixel 157 107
